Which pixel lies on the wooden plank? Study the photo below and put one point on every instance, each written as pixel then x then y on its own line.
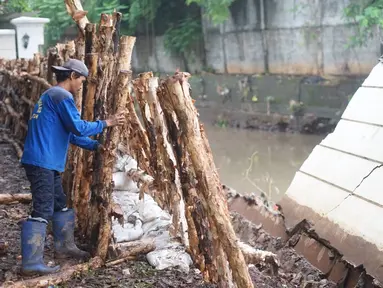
pixel 371 187
pixel 375 77
pixel 341 169
pixel 315 194
pixel 357 138
pixel 360 218
pixel 366 106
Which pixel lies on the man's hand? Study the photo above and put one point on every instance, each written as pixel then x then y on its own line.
pixel 100 148
pixel 116 119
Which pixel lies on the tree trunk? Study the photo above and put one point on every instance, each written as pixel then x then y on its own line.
pixel 91 61
pixel 208 184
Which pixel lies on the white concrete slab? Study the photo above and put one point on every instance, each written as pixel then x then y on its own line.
pixel 345 171
pixel 360 218
pixel 366 106
pixel 375 79
pixel 357 138
pixel 371 187
pixel 318 195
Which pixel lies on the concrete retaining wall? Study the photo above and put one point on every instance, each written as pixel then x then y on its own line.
pixel 338 188
pixel 287 37
pixel 8 46
pixel 296 37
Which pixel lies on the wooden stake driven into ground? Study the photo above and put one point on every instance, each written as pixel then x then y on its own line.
pixel 209 188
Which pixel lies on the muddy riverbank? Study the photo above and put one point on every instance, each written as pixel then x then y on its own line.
pixel 294 270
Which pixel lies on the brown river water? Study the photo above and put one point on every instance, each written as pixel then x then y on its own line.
pixel 252 161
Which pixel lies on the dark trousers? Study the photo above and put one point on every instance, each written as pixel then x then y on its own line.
pixel 47 192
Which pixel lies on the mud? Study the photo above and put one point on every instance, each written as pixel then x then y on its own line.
pixel 294 270
pixel 12 176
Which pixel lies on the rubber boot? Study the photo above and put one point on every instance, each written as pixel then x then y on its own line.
pixel 32 249
pixel 63 233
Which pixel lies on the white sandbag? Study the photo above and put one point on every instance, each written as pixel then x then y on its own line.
pixel 154 228
pixel 127 201
pixel 122 182
pixel 166 258
pixel 125 163
pixel 150 211
pixel 129 232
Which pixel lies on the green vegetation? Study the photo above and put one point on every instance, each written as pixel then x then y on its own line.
pixel 179 21
pixel 368 14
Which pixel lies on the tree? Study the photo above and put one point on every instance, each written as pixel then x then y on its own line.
pixel 368 15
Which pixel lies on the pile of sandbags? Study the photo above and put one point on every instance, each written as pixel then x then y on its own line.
pixel 144 219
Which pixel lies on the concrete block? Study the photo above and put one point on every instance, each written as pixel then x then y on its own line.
pixel 310 192
pixel 167 62
pixel 244 52
pixel 339 172
pixel 375 77
pixel 368 188
pixel 334 12
pixel 316 253
pixel 214 52
pixel 359 218
pixel 244 16
pixel 338 272
pixel 365 106
pixel 30 35
pixel 340 60
pixel 294 51
pixel 360 139
pixel 144 58
pixel 8 54
pixel 293 13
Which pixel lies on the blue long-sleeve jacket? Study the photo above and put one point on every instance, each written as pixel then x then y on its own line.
pixel 56 122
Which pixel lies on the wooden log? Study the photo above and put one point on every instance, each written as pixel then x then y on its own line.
pixel 221 260
pixel 116 35
pixel 119 261
pixel 138 139
pixel 200 238
pixel 52 54
pixel 208 185
pixel 81 199
pixel 81 194
pixel 108 102
pixel 64 275
pixel 75 10
pixel 75 154
pixel 105 174
pixel 134 248
pixel 141 89
pixel 16 146
pixel 14 198
pixel 166 153
pixel 105 64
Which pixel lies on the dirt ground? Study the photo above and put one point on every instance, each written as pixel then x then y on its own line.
pixel 294 270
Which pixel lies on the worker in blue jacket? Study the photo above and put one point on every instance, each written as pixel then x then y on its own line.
pixel 55 122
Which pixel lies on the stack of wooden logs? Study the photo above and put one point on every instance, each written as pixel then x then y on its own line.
pixel 19 91
pixel 169 144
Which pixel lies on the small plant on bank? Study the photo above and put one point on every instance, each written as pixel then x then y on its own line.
pixel 297 108
pixel 269 100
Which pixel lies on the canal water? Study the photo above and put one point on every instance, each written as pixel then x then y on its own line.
pixel 258 161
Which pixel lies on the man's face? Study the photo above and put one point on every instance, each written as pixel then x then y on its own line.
pixel 76 83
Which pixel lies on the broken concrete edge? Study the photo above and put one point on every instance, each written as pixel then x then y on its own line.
pixel 300 235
